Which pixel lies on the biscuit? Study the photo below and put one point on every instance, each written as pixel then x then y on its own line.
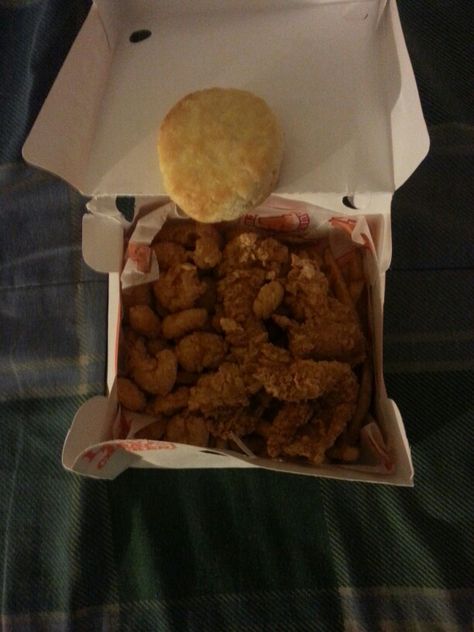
pixel 220 152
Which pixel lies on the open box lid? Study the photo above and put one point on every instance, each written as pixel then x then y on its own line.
pixel 337 74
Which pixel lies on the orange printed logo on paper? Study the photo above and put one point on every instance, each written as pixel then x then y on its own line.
pixel 104 452
pixel 139 445
pixel 286 223
pixel 347 225
pixel 140 254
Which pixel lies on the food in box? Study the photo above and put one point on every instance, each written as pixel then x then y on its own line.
pixel 341 85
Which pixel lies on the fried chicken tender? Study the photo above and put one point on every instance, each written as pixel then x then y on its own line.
pixel 189 428
pixel 182 323
pixel 169 254
pixel 129 395
pixel 288 419
pixel 171 403
pixel 336 409
pixel 306 289
pixel 248 249
pixel 225 388
pixel 156 374
pixel 179 287
pixel 335 335
pixel 200 350
pixel 144 321
pixel 268 299
pixel 239 422
pixel 301 379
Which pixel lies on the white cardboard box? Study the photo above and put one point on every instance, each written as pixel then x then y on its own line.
pixel 339 78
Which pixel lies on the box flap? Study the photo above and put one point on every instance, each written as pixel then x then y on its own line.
pixel 336 73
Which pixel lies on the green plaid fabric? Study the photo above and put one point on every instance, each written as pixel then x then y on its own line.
pixel 234 550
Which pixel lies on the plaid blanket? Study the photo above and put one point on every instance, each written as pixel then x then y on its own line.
pixel 234 550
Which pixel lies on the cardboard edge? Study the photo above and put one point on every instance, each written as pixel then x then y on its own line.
pixel 102 242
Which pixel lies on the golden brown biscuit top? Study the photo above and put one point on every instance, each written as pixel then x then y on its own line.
pixel 220 151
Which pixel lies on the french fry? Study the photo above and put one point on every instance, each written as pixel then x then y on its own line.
pixel 363 404
pixel 339 285
pixel 355 290
pixel 343 452
pixel 355 266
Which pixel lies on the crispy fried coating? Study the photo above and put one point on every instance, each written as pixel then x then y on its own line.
pixel 240 421
pixel 203 239
pixel 238 291
pixel 209 298
pixel 181 323
pixel 222 389
pixel 169 254
pixel 301 379
pixel 156 375
pixel 200 350
pixel 171 403
pixel 336 409
pixel 179 287
pixel 144 321
pixel 248 250
pixel 129 395
pixel 332 335
pixel 306 289
pixel 288 419
pixel 187 427
pixel 207 253
pixel 268 299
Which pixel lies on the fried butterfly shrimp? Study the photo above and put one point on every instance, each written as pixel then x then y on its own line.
pixel 179 287
pixel 203 239
pixel 169 254
pixel 207 253
pixel 200 350
pixel 222 389
pixel 182 323
pixel 188 428
pixel 144 321
pixel 268 299
pixel 129 395
pixel 137 295
pixel 156 374
pixel 171 403
pixel 209 298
